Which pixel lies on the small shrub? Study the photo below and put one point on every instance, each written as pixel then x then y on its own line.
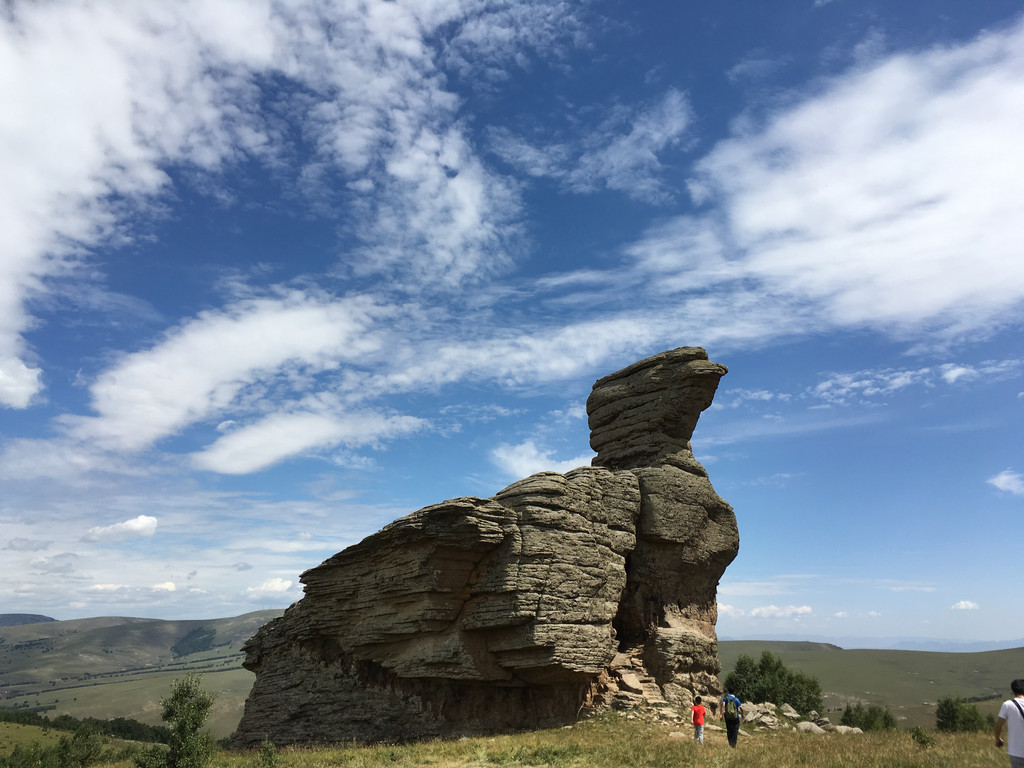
pixel 268 757
pixel 922 737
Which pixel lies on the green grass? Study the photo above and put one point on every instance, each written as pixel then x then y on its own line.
pixel 909 683
pixel 16 735
pixel 611 741
pixel 139 698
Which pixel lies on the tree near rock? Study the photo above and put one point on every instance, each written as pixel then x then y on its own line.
pixel 770 680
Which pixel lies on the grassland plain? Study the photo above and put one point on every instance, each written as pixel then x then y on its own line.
pixel 612 741
pixel 907 682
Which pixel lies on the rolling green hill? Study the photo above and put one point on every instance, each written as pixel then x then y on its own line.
pixel 907 682
pixel 115 666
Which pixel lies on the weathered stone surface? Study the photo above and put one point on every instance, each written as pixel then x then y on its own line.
pixel 559 595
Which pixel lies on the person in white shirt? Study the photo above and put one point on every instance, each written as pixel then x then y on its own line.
pixel 1011 715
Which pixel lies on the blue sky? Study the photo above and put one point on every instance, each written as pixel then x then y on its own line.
pixel 273 274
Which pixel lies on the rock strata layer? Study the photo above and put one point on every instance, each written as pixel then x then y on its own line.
pixel 560 595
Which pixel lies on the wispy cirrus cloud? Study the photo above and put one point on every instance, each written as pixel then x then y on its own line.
pixel 620 154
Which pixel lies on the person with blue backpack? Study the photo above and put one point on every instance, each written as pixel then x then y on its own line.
pixel 732 711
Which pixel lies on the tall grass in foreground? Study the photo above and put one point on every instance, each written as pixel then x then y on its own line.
pixel 611 741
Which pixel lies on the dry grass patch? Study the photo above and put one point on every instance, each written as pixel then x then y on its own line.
pixel 611 741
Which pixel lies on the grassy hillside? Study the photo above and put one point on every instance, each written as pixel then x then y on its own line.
pixel 16 735
pixel 116 666
pixel 908 682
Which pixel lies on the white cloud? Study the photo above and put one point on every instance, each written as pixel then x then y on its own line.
pixel 166 586
pixel 143 525
pixel 255 447
pixel 274 586
pixel 202 367
pixel 781 611
pixel 883 200
pixel 859 386
pixel 965 605
pixel 731 611
pixel 102 101
pixel 90 91
pixel 527 458
pixel 1009 481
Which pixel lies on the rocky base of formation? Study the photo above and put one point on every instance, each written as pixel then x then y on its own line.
pixel 559 596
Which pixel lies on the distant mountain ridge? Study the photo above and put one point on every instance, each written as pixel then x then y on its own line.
pixel 890 643
pixel 20 619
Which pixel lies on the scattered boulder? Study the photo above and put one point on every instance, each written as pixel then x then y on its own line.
pixel 788 712
pixel 561 595
pixel 806 726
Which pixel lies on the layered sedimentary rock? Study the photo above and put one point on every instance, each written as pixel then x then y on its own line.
pixel 524 610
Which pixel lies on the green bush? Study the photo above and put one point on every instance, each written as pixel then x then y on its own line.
pixel 770 680
pixel 873 718
pixel 81 750
pixel 954 715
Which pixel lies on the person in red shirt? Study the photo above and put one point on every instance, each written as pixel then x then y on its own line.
pixel 697 711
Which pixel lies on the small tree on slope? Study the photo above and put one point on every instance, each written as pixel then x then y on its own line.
pixel 185 710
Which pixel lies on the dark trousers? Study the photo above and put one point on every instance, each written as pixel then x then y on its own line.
pixel 732 730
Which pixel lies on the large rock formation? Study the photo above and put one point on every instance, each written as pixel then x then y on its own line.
pixel 528 609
